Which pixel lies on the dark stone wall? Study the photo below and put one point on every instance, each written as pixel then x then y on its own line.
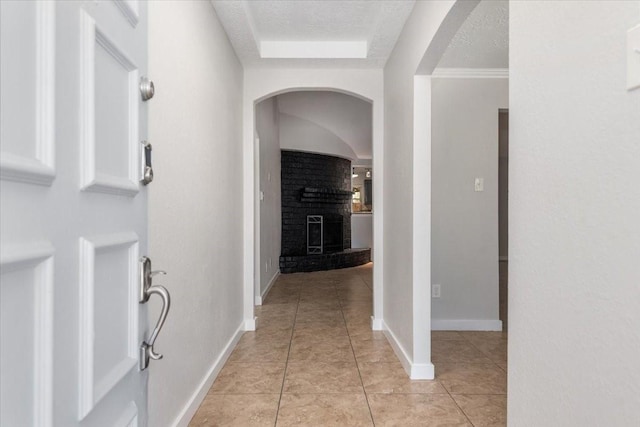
pixel 300 170
pixel 345 259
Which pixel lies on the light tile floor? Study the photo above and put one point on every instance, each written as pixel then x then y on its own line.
pixel 314 361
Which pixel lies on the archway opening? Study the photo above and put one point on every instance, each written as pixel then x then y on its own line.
pixel 308 144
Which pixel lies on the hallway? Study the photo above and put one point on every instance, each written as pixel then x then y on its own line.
pixel 314 361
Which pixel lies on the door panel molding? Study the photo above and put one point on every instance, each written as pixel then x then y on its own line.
pixel 129 416
pixel 129 9
pixel 72 124
pixel 92 389
pixel 93 179
pixel 39 169
pixel 39 258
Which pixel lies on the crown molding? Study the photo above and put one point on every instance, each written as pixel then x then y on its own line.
pixel 471 73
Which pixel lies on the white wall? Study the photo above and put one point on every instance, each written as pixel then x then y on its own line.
pixel 345 116
pixel 464 223
pixel 362 230
pixel 303 135
pixel 261 83
pixel 406 298
pixel 267 127
pixel 574 243
pixel 195 205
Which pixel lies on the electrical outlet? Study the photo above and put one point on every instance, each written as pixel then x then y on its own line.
pixel 435 291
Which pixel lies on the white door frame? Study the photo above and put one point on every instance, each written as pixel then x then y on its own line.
pixel 422 125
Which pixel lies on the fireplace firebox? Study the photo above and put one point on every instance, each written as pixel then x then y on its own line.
pixel 324 234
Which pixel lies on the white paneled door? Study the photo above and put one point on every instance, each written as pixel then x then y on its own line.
pixel 73 212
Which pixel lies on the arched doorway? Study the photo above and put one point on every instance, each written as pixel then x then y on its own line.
pixel 265 84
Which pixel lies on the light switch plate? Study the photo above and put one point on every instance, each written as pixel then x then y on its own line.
pixel 435 291
pixel 633 58
pixel 479 184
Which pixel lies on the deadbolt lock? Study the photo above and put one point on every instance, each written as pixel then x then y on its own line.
pixel 146 88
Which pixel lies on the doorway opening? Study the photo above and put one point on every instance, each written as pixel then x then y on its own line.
pixel 308 143
pixel 503 215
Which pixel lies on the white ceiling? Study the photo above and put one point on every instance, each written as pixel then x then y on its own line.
pixel 347 117
pixel 483 39
pixel 374 24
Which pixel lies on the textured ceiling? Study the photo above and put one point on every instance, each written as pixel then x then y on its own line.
pixel 346 116
pixel 249 22
pixel 483 39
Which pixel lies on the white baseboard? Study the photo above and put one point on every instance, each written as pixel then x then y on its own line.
pixel 377 324
pixel 422 371
pixel 416 371
pixel 263 295
pixel 183 419
pixel 465 325
pixel 249 324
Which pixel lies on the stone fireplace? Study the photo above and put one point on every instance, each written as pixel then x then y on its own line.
pixel 316 213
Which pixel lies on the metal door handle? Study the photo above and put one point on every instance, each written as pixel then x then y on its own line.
pixel 147 289
pixel 147 169
pixel 147 89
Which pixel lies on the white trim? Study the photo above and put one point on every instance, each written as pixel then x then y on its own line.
pixel 422 371
pixel 189 410
pixel 91 389
pixel 466 325
pixel 39 169
pixel 421 247
pixel 251 217
pixel 263 295
pixel 416 371
pixel 129 416
pixel 262 84
pixel 314 49
pixel 377 209
pixel 249 324
pixel 14 258
pixel 129 9
pixel 257 269
pixel 471 73
pixel 25 169
pixel 90 178
pixel 377 324
pixel 39 257
pixel 102 387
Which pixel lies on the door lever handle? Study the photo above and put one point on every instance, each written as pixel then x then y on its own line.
pixel 146 349
pixel 146 290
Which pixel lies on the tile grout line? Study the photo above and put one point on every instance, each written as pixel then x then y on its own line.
pixel 455 402
pixel 484 354
pixel 286 363
pixel 479 394
pixel 364 391
pixel 457 405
